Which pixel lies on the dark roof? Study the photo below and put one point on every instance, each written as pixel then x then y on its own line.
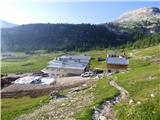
pixel 117 60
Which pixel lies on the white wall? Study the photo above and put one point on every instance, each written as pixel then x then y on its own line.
pixel 63 72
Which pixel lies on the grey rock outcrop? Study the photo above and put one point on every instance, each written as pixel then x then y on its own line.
pixel 146 20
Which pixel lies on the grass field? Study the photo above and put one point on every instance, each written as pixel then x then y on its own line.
pixel 103 91
pixel 137 82
pixel 12 108
pixel 94 64
pixel 142 81
pixel 149 51
pixel 20 62
pixel 24 63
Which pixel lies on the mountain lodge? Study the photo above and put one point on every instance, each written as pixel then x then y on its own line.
pixel 68 66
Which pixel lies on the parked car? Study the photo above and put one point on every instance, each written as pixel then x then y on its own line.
pixel 87 74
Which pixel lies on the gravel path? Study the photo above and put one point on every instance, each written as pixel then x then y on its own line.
pixel 105 111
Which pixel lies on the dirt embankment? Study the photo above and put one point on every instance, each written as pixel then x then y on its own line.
pixel 64 107
pixel 6 81
pixel 34 90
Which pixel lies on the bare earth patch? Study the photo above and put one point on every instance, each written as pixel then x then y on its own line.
pixel 64 108
pixel 66 81
pixel 34 90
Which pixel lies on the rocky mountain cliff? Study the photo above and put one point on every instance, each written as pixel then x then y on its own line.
pixel 145 19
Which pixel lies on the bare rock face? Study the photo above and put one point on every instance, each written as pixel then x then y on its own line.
pixel 149 14
pixel 146 19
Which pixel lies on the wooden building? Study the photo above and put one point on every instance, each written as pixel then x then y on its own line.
pixel 117 64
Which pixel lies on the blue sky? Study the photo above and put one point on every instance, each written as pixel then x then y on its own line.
pixel 68 12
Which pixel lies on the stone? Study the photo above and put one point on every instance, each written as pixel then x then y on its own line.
pixel 84 85
pixel 131 101
pixel 138 102
pixel 102 118
pixel 62 104
pixel 152 95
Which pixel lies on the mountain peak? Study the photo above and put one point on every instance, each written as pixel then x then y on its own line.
pixel 151 10
pixel 154 10
pixel 142 14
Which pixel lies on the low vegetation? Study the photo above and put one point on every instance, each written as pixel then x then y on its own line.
pixel 143 41
pixel 59 37
pixel 23 63
pixel 142 83
pixel 103 91
pixel 11 107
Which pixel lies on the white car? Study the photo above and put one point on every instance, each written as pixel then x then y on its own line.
pixel 87 74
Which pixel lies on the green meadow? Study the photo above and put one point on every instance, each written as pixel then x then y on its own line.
pixel 23 63
pixel 11 107
pixel 103 91
pixel 143 84
pixel 141 81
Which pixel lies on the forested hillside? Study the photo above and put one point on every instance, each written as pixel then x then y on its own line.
pixel 59 37
pixel 143 42
pixel 139 27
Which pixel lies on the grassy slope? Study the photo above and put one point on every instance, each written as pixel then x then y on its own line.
pixel 141 81
pixel 94 63
pixel 12 108
pixel 102 92
pixel 31 63
pixel 135 81
pixel 20 62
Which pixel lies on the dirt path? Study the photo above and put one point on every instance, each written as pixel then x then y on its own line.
pixel 105 111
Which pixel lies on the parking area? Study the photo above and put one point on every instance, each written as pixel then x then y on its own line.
pixel 67 81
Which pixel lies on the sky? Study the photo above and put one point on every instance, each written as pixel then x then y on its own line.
pixel 76 12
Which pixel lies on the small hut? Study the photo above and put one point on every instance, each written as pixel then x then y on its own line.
pixel 117 64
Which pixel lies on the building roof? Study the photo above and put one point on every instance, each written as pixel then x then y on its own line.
pixel 82 57
pixel 70 62
pixel 117 60
pixel 67 66
pixel 67 62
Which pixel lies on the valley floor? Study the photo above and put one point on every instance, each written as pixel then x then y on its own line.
pixel 142 82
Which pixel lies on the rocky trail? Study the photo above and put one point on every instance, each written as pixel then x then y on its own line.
pixel 76 99
pixel 64 107
pixel 105 111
